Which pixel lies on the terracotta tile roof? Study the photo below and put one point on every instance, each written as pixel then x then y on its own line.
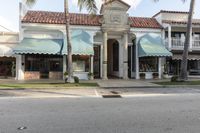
pixel 82 19
pixel 59 18
pixel 195 22
pixel 165 11
pixel 139 22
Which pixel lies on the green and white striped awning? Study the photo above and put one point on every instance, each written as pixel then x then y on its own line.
pixel 82 44
pixel 39 46
pixel 152 45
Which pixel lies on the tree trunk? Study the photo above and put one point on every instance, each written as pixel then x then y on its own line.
pixel 69 46
pixel 184 64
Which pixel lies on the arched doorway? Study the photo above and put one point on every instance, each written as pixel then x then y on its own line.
pixel 113 58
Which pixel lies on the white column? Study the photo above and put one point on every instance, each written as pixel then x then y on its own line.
pixel 131 60
pixel 91 64
pixel 101 62
pixel 105 60
pixel 160 67
pixel 121 64
pixel 125 57
pixel 136 62
pixel 169 37
pixel 20 67
pixel 163 38
pixel 64 65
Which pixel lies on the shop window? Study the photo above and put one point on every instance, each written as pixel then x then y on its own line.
pixel 7 67
pixel 148 64
pixel 80 63
pixel 43 63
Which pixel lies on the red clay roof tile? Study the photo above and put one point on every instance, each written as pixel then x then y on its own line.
pixel 140 22
pixel 82 19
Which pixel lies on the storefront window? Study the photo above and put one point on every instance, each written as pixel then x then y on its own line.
pixel 43 63
pixel 80 63
pixel 148 64
pixel 7 67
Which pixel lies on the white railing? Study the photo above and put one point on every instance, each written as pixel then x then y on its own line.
pixel 178 43
pixel 196 44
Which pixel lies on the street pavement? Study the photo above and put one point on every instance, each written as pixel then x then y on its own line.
pixel 157 114
pixel 96 92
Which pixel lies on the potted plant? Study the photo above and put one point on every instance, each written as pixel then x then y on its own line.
pixel 155 75
pixel 90 76
pixel 66 76
pixel 165 73
pixel 142 75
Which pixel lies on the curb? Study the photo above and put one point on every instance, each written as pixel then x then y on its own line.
pixel 161 86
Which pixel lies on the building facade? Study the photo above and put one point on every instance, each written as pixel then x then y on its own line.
pixel 109 45
pixel 8 41
pixel 174 33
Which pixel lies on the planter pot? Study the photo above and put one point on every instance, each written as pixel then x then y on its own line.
pixel 91 77
pixel 165 76
pixel 142 77
pixel 155 77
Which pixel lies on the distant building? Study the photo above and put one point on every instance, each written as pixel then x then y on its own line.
pixel 174 33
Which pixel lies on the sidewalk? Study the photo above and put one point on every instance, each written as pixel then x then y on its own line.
pixel 106 87
pixel 131 83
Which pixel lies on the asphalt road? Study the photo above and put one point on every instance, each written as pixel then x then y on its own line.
pixel 161 114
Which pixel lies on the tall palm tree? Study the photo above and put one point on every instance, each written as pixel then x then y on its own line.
pixel 184 64
pixel 91 7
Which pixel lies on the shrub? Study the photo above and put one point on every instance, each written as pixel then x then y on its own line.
pixel 65 73
pixel 165 73
pixel 155 74
pixel 76 79
pixel 90 74
pixel 142 75
pixel 174 78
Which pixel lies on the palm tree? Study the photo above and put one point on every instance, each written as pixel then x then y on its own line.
pixel 184 64
pixel 91 7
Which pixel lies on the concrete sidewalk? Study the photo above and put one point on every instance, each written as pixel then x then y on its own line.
pixel 119 83
pixel 53 92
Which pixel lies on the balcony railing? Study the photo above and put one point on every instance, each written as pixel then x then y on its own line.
pixel 196 44
pixel 178 43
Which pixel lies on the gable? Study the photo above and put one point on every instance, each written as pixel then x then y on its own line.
pixel 114 5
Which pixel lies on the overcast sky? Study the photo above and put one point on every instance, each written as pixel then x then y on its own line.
pixel 144 8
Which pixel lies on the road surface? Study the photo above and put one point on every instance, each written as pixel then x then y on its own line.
pixel 156 114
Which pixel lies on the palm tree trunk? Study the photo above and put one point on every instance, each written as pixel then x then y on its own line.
pixel 184 64
pixel 69 46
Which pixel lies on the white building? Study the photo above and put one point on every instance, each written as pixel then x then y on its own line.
pixel 110 45
pixel 174 33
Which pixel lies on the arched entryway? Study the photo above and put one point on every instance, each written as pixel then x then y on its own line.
pixel 113 58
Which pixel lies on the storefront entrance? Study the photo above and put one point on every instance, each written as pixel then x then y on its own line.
pixel 97 61
pixel 113 58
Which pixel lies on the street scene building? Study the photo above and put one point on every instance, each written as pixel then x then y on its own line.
pixel 109 45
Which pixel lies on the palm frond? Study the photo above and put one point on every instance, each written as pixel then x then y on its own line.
pixel 30 3
pixel 90 5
